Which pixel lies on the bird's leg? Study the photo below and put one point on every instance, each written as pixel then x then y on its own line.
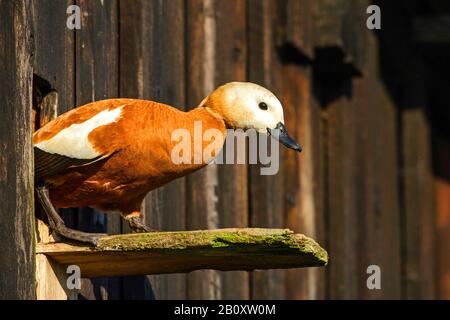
pixel 57 223
pixel 136 224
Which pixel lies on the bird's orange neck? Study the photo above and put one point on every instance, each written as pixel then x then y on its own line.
pixel 210 118
pixel 207 131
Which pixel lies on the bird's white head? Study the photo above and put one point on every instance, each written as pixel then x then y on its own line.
pixel 247 105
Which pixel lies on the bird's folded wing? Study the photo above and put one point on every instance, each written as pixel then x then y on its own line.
pixel 47 164
pixel 69 141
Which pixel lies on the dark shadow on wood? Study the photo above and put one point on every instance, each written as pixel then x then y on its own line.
pixel 288 53
pixel 41 87
pixel 332 75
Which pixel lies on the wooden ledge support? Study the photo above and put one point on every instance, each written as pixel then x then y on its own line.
pixel 185 251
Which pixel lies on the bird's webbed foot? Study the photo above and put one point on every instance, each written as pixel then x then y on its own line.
pixel 57 223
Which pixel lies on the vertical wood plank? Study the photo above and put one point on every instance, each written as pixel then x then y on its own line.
pixel 418 205
pixel 218 29
pixel 300 177
pixel 299 26
pixel 302 173
pixel 343 163
pixel 340 25
pixel 165 207
pixel 230 65
pixel 379 236
pixel 202 197
pixel 53 88
pixel 319 154
pixel 96 59
pixel 318 128
pixel 266 192
pixel 54 50
pixel 17 261
pixel 416 187
pixel 136 38
pixel 97 52
pixel 343 168
pixel 152 67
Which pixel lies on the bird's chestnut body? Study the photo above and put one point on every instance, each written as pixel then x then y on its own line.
pixel 136 146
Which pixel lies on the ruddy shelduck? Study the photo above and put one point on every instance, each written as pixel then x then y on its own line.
pixel 109 154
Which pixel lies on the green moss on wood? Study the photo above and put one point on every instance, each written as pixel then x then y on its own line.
pixel 204 242
pixel 185 251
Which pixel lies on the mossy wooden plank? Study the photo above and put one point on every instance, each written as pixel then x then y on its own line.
pixel 185 251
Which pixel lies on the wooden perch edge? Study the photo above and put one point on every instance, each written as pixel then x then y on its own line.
pixel 184 251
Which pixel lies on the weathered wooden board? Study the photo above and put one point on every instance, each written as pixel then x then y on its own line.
pixel 218 29
pixel 317 143
pixel 201 192
pixel 135 76
pixel 165 207
pixel 152 67
pixel 342 189
pixel 416 187
pixel 380 235
pixel 300 176
pixel 266 192
pixel 53 94
pixel 17 261
pixel 54 50
pixel 230 65
pixel 96 78
pixel 295 28
pixel 184 251
pixel 300 171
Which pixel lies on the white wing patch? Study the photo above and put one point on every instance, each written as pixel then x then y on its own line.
pixel 73 141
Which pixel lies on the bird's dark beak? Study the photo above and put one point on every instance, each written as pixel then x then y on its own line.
pixel 280 134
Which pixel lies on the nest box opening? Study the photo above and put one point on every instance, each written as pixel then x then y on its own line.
pixel 45 100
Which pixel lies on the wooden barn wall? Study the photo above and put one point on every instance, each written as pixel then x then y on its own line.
pixel 364 187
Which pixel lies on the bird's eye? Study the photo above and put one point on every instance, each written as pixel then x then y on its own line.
pixel 263 106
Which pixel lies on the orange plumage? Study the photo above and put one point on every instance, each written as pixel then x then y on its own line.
pixel 138 147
